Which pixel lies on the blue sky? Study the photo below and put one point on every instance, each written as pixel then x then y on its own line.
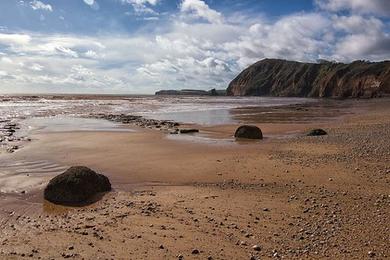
pixel 140 46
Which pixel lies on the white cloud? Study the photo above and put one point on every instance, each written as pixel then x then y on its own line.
pixel 38 5
pixel 151 18
pixel 373 46
pixel 380 7
pixel 185 52
pixel 93 4
pixel 6 60
pixel 18 39
pixel 91 54
pixel 141 2
pixel 89 2
pixel 3 74
pixel 357 24
pixel 200 9
pixel 36 67
pixel 141 6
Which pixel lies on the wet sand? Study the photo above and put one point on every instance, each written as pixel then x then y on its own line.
pixel 209 197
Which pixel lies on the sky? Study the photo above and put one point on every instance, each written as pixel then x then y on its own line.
pixel 141 46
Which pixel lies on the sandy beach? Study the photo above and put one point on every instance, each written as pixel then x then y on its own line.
pixel 207 196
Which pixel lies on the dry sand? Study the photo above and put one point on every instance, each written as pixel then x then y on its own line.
pixel 209 197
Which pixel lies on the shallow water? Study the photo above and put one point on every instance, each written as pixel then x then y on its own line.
pixel 198 110
pixel 23 176
pixel 67 124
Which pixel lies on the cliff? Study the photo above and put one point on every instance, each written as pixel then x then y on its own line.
pixel 273 77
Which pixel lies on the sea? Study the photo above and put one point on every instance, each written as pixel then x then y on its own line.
pixel 203 110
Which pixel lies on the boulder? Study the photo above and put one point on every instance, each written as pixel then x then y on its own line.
pixel 317 132
pixel 248 132
pixel 76 185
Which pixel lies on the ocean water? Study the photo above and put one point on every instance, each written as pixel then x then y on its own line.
pixel 199 110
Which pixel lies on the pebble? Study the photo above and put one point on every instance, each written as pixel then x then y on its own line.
pixel 256 247
pixel 195 252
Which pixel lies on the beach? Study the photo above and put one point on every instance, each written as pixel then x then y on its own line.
pixel 207 195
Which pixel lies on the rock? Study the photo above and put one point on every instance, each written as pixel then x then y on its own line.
pixel 317 132
pixel 12 148
pixel 248 132
pixel 195 252
pixel 174 132
pixel 78 184
pixel 371 253
pixel 256 248
pixel 189 131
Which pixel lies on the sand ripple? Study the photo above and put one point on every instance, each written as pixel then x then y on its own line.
pixel 24 176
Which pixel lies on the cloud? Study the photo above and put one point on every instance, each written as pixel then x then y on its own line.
pixel 357 24
pixel 200 9
pixel 379 7
pixel 141 2
pixel 374 46
pixel 91 54
pixel 12 39
pixel 36 67
pixel 183 52
pixel 6 60
pixel 93 4
pixel 89 2
pixel 141 6
pixel 38 5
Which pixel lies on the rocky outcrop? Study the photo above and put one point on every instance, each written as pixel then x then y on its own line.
pixel 248 132
pixel 273 77
pixel 76 185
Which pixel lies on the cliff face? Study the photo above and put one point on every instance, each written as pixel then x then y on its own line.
pixel 272 77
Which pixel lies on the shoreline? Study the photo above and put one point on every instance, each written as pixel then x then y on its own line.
pixel 296 197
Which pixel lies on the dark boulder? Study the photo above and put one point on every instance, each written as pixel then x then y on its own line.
pixel 248 132
pixel 188 131
pixel 76 185
pixel 317 132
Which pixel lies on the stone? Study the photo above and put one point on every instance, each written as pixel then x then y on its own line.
pixel 195 252
pixel 317 132
pixel 248 132
pixel 76 185
pixel 189 131
pixel 256 248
